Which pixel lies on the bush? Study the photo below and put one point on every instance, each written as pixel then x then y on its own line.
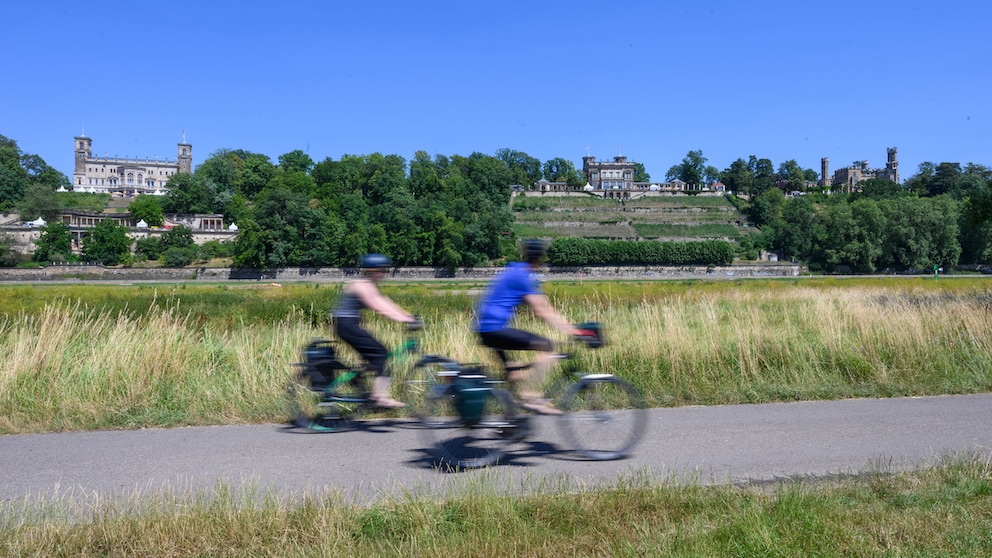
pixel 179 257
pixel 151 248
pixel 584 251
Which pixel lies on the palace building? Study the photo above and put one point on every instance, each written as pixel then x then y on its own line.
pixel 126 177
pixel 848 177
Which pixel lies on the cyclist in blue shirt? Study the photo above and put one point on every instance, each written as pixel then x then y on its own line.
pixel 517 285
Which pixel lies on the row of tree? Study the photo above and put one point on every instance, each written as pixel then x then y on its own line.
pixel 454 211
pixel 941 217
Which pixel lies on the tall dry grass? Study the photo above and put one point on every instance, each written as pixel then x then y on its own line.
pixel 68 366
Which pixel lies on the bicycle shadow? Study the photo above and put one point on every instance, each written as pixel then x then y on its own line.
pixel 374 426
pixel 522 454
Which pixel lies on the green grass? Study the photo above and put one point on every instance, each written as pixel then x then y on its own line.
pixel 93 203
pixel 113 356
pixel 938 511
pixel 662 230
pixel 680 217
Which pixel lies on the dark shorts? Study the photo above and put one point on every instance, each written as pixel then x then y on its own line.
pixel 515 340
pixel 374 353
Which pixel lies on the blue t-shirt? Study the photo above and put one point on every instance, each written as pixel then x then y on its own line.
pixel 506 292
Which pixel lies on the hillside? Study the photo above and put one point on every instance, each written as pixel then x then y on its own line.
pixel 655 217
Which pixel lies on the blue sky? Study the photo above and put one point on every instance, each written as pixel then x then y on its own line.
pixel 650 80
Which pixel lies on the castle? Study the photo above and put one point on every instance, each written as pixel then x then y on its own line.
pixel 848 177
pixel 126 177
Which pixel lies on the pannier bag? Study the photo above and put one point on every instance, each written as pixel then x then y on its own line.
pixel 470 389
pixel 320 363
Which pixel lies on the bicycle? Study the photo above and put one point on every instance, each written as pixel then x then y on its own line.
pixel 471 420
pixel 328 395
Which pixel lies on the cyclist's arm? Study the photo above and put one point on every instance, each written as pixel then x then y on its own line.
pixel 541 306
pixel 379 303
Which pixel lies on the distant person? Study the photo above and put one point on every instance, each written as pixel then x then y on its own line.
pixel 356 296
pixel 514 286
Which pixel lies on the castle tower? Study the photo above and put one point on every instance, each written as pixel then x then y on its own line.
pixel 892 165
pixel 185 157
pixel 824 172
pixel 84 151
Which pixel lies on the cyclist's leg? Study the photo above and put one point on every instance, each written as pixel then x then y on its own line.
pixel 375 354
pixel 526 382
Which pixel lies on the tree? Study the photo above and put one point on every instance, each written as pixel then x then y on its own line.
pixel 238 172
pixel 692 169
pixel 764 174
pixel 54 244
pixel 524 169
pixel 562 170
pixel 40 172
pixel 187 194
pixel 9 257
pixel 150 247
pixel 878 188
pixel 177 237
pixel 738 177
pixel 148 209
pixel 13 177
pixel 796 237
pixel 108 243
pixel 38 200
pixel 793 175
pixel 640 174
pixel 178 257
pixel 296 161
pixel 766 207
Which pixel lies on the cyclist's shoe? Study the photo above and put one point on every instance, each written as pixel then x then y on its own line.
pixel 386 403
pixel 540 406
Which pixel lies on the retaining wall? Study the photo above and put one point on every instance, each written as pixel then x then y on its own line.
pixel 326 274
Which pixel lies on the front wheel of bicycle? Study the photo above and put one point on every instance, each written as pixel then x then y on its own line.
pixel 455 443
pixel 604 417
pixel 423 380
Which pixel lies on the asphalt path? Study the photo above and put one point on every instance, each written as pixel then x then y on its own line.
pixel 388 459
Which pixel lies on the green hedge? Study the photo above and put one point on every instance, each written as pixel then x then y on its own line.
pixel 584 251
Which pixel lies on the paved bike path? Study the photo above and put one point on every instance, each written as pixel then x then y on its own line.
pixel 734 443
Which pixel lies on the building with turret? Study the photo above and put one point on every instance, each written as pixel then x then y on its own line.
pixel 848 177
pixel 126 177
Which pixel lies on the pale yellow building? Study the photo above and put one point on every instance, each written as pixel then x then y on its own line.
pixel 129 176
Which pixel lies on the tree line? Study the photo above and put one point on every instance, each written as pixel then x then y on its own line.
pixel 941 217
pixel 451 211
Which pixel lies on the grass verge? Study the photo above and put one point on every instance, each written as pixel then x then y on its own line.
pixel 938 511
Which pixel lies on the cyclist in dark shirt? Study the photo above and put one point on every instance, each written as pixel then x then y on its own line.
pixel 517 285
pixel 356 296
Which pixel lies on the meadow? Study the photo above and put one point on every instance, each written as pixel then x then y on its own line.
pixel 77 357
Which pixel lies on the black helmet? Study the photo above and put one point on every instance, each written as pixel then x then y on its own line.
pixel 374 261
pixel 534 250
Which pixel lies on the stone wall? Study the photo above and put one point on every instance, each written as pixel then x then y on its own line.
pixel 331 274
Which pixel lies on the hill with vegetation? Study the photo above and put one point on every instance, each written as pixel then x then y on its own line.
pixel 663 217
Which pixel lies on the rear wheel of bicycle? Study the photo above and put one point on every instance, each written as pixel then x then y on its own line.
pixel 604 417
pixel 312 408
pixel 455 444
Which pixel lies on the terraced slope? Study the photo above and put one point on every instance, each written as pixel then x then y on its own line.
pixel 661 217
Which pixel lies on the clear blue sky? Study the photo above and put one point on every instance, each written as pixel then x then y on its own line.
pixel 654 79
